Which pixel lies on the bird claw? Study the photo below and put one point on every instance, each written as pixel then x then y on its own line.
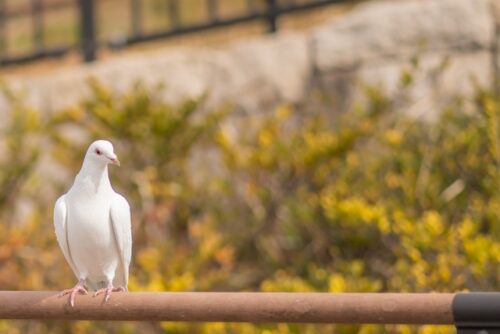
pixel 107 292
pixel 78 288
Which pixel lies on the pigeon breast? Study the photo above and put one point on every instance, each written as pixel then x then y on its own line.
pixel 90 236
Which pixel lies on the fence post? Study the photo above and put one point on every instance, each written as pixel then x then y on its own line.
pixel 3 38
pixel 136 10
pixel 87 34
pixel 173 13
pixel 272 15
pixel 212 6
pixel 37 12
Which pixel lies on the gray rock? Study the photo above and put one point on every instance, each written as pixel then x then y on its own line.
pixel 398 29
pixel 438 80
pixel 248 74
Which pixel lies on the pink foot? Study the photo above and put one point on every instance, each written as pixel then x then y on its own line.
pixel 108 291
pixel 79 288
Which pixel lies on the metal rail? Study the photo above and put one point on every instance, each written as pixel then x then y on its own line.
pixel 376 308
pixel 469 312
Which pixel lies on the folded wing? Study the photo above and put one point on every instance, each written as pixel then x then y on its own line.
pixel 122 230
pixel 60 224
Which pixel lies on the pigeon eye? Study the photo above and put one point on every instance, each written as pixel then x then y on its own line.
pixel 98 151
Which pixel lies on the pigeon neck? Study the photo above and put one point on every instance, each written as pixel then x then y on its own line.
pixel 97 174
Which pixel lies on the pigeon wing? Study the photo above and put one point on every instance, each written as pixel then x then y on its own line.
pixel 122 231
pixel 60 224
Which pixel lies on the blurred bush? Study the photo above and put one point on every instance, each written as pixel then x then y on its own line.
pixel 368 200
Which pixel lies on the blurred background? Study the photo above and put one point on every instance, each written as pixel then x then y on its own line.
pixel 330 146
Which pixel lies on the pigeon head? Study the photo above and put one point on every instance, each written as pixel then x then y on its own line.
pixel 101 152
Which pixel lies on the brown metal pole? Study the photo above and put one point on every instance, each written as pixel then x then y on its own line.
pixel 389 308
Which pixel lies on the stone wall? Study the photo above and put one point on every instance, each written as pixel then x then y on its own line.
pixel 371 44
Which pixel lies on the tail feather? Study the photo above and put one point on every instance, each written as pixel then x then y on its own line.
pixel 120 280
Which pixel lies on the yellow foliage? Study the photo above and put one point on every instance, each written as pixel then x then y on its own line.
pixel 337 283
pixel 283 282
pixel 299 203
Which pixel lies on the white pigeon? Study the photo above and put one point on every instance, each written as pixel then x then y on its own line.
pixel 93 227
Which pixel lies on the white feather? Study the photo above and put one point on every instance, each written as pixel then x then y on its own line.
pixel 93 225
pixel 61 232
pixel 120 219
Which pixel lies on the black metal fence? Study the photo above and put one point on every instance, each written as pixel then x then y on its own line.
pixel 36 18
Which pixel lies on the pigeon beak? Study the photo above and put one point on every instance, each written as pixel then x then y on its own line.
pixel 114 160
